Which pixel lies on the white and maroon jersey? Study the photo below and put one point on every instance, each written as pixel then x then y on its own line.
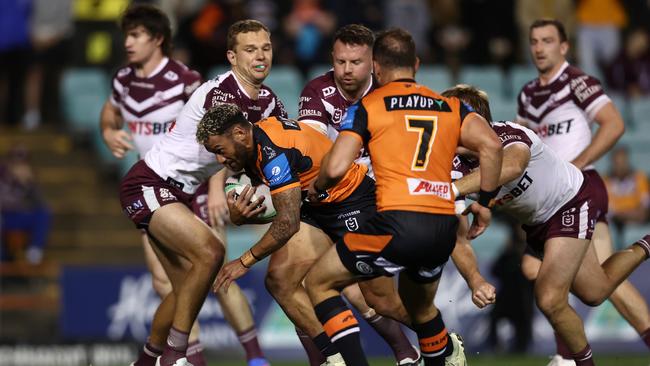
pixel 322 106
pixel 178 158
pixel 547 184
pixel 149 106
pixel 561 112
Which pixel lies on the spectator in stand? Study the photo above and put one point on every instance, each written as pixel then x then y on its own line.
pixel 628 193
pixel 25 220
pixel 527 11
pixel 629 74
pixel 309 26
pixel 599 25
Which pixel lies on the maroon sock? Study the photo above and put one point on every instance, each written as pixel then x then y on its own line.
pixel 562 348
pixel 248 340
pixel 645 336
pixel 584 357
pixel 148 355
pixel 175 348
pixel 314 355
pixel 392 333
pixel 644 243
pixel 195 353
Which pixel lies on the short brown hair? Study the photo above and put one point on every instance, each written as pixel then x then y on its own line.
pixel 355 34
pixel 394 48
pixel 554 22
pixel 243 26
pixel 153 20
pixel 472 96
pixel 218 120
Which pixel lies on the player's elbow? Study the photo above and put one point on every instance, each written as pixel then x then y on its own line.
pixel 335 170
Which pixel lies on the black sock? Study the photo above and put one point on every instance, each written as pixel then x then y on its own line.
pixel 435 343
pixel 342 328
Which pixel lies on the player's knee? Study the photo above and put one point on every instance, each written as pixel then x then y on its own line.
pixel 277 285
pixel 210 253
pixel 550 301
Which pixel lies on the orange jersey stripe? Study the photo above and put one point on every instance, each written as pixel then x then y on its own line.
pixel 339 322
pixel 304 148
pixel 365 242
pixel 435 343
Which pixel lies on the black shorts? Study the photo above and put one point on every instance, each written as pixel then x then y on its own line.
pixel 393 241
pixel 336 219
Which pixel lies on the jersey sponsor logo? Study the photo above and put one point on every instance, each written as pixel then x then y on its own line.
pixel 219 96
pixel 352 224
pixel 289 124
pixel 278 171
pixel 415 102
pixel 348 118
pixel 309 112
pixel 171 76
pixel 327 91
pixel 348 214
pixel 263 93
pixel 143 85
pixel 363 267
pixel 517 191
pixel 559 128
pixel 146 128
pixel 134 208
pixel 504 137
pixel 166 195
pixel 568 217
pixel 418 187
pixel 270 153
pixel 337 115
pixel 581 90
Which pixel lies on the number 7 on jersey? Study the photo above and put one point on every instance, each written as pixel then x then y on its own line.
pixel 426 127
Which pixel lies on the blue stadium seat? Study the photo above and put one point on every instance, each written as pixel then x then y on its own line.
pixel 317 70
pixel 503 109
pixel 488 246
pixel 487 78
pixel 520 75
pixel 640 114
pixel 287 84
pixel 84 91
pixel 437 78
pixel 127 162
pixel 216 70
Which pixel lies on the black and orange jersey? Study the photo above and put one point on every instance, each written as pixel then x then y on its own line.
pixel 411 133
pixel 289 154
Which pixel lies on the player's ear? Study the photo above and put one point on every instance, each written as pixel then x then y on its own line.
pixel 564 48
pixel 230 55
pixel 416 66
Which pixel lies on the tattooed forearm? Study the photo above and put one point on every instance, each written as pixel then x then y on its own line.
pixel 285 224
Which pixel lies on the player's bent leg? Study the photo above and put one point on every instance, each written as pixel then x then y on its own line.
pixel 562 259
pixel 626 298
pixel 389 329
pixel 286 271
pixel 177 230
pixel 381 294
pixel 530 266
pixel 323 283
pixel 436 345
pixel 594 282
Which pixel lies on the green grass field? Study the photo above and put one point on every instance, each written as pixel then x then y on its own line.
pixel 490 361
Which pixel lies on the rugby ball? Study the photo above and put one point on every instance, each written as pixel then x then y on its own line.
pixel 239 181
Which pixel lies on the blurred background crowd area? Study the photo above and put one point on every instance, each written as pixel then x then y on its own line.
pixel 58 182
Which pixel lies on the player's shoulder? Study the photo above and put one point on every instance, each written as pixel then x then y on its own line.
pixel 322 86
pixel 530 87
pixel 124 73
pixel 266 93
pixel 183 70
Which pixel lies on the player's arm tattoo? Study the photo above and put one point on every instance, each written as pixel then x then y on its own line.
pixel 285 224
